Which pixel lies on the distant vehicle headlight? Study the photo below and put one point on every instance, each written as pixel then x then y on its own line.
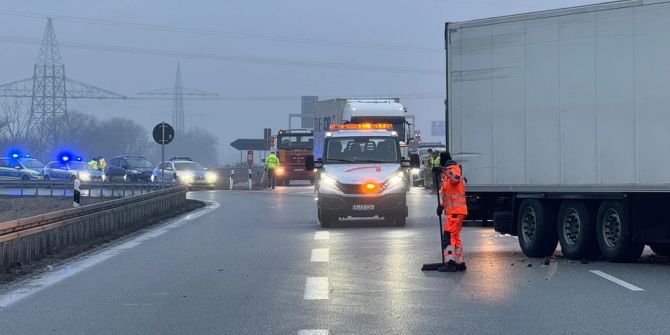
pixel 280 171
pixel 84 176
pixel 415 171
pixel 211 177
pixel 186 177
pixel 152 178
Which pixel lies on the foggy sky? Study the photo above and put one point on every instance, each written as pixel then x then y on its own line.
pixel 415 25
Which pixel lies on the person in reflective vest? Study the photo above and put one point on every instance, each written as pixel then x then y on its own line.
pixel 427 160
pixel 102 164
pixel 271 162
pixel 93 163
pixel 454 206
pixel 436 171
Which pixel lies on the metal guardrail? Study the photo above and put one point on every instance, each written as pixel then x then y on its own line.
pixel 64 188
pixel 26 226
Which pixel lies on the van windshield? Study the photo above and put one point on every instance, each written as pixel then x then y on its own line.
pixel 361 150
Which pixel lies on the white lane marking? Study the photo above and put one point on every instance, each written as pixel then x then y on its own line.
pixel 313 332
pixel 428 196
pixel 316 288
pixel 320 255
pixel 322 235
pixel 67 270
pixel 616 280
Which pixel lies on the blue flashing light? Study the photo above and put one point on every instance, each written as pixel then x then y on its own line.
pixel 79 159
pixel 65 158
pixel 15 155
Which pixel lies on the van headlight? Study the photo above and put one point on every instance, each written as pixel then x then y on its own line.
pixel 327 180
pixel 397 180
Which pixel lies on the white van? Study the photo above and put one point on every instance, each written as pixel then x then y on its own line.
pixel 362 174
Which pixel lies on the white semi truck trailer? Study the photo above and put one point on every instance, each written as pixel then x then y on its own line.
pixel 561 120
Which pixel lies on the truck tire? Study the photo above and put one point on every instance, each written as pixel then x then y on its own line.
pixel 577 230
pixel 502 222
pixel 661 249
pixel 614 233
pixel 327 218
pixel 536 227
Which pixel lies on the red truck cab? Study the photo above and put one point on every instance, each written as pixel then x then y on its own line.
pixel 293 145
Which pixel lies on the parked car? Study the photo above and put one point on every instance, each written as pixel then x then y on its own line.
pixel 185 172
pixel 129 168
pixel 63 170
pixel 20 168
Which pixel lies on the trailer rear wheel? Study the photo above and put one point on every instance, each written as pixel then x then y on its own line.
pixel 614 233
pixel 536 227
pixel 661 249
pixel 576 230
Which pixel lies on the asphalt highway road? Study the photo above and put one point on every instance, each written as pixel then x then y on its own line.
pixel 258 263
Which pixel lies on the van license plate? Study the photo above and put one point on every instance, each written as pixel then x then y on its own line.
pixel 364 207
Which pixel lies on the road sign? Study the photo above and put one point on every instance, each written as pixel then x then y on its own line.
pixel 250 158
pixel 249 144
pixel 438 128
pixel 163 133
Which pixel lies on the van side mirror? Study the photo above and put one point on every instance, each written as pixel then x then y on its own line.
pixel 309 162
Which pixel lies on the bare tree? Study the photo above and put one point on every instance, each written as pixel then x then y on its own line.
pixel 13 121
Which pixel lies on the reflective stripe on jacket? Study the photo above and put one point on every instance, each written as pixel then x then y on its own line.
pixel 271 161
pixel 453 190
pixel 93 164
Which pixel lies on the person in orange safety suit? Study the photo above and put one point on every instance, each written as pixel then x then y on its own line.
pixel 453 204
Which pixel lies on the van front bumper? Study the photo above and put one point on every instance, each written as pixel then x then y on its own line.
pixel 359 206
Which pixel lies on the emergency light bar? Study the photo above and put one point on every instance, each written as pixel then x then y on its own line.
pixel 361 126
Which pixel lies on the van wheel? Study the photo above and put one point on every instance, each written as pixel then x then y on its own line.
pixel 327 218
pixel 576 230
pixel 536 227
pixel 615 234
pixel 25 177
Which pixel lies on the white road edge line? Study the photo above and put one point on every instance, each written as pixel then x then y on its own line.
pixel 616 280
pixel 70 269
pixel 320 255
pixel 313 332
pixel 316 288
pixel 322 235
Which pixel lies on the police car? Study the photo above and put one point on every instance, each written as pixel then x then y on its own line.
pixel 20 167
pixel 71 170
pixel 183 170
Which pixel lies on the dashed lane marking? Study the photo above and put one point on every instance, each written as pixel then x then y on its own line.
pixel 616 280
pixel 322 235
pixel 313 332
pixel 316 288
pixel 74 267
pixel 320 255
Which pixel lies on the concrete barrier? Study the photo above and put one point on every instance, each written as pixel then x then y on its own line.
pixel 26 240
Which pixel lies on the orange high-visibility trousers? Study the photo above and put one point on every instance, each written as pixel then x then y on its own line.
pixel 453 226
